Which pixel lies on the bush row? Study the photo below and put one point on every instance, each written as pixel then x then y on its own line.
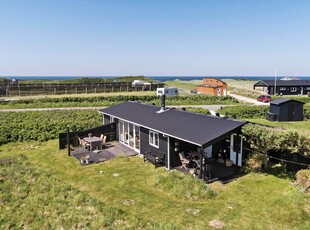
pixel 44 125
pixel 263 139
pixel 198 110
pixel 244 112
pixel 249 112
pixel 112 100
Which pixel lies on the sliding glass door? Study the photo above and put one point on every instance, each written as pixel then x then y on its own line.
pixel 129 134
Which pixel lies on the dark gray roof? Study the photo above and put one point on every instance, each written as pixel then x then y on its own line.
pixel 280 101
pixel 284 83
pixel 196 128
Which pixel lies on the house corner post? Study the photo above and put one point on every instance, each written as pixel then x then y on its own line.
pixel 168 153
pixel 201 162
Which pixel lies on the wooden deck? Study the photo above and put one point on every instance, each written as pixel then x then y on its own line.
pixel 112 150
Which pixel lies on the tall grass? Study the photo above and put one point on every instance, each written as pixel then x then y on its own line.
pixel 34 199
pixel 183 186
pixel 69 196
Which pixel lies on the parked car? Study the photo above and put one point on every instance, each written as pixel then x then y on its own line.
pixel 264 98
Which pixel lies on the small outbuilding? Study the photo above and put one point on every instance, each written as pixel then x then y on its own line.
pixel 284 109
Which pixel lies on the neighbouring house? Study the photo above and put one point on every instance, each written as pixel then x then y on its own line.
pixel 289 78
pixel 144 128
pixel 284 109
pixel 284 87
pixel 212 86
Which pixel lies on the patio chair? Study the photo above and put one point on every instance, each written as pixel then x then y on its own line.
pixel 103 138
pixel 185 161
pixel 84 144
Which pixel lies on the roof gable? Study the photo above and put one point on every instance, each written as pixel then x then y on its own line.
pixel 280 101
pixel 283 83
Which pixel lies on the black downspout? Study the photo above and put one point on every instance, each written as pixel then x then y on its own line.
pixel 238 145
pixel 68 141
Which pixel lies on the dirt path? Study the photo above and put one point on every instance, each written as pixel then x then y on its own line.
pixel 247 99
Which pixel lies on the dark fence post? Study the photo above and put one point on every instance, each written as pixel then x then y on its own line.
pixel 68 141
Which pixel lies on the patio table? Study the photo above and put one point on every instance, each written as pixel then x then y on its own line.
pixel 194 155
pixel 94 142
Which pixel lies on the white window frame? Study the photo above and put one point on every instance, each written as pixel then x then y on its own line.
pixel 293 89
pixel 152 138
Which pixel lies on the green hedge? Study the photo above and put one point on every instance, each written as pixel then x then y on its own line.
pixel 112 100
pixel 307 110
pixel 44 125
pixel 198 110
pixel 244 111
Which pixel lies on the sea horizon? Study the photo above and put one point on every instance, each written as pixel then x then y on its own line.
pixel 159 78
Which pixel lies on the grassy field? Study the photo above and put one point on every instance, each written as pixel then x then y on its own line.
pixel 301 126
pixel 138 93
pixel 239 87
pixel 52 190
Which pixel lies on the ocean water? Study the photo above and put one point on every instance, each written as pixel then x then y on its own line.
pixel 159 78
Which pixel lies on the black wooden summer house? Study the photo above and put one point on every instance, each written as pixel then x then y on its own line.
pixel 144 128
pixel 284 87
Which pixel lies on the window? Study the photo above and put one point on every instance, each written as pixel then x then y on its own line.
pixel 154 139
pixel 293 89
pixel 111 119
pixel 282 89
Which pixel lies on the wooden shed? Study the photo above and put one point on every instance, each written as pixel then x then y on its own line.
pixel 284 109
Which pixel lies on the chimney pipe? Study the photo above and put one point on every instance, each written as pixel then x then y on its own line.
pixel 163 102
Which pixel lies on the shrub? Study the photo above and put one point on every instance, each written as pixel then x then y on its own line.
pixel 263 138
pixel 307 111
pixel 256 162
pixel 44 125
pixel 244 111
pixel 198 110
pixel 303 179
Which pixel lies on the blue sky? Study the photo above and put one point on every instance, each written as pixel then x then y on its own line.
pixel 154 38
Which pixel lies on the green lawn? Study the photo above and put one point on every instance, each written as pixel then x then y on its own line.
pixel 132 194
